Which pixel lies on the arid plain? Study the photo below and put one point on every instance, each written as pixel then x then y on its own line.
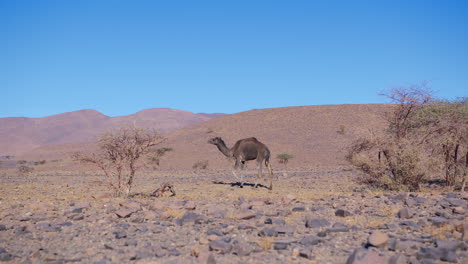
pixel 317 212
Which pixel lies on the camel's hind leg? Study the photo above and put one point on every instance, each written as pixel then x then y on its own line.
pixel 270 172
pixel 260 174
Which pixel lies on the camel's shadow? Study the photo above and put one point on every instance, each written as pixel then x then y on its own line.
pixel 232 184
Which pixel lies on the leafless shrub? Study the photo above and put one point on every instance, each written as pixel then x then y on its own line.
pixel 203 165
pixel 120 154
pixel 424 138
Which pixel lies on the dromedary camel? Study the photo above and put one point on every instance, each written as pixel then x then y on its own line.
pixel 244 150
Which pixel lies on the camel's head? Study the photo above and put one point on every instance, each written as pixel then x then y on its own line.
pixel 215 141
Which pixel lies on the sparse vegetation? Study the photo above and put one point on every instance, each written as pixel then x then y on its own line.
pixel 425 137
pixel 284 158
pixel 22 162
pixel 155 156
pixel 41 162
pixel 203 165
pixel 24 169
pixel 341 130
pixel 120 155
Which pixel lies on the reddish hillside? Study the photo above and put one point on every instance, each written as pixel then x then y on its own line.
pixel 20 135
pixel 310 133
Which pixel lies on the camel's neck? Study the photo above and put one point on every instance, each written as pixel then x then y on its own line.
pixel 225 150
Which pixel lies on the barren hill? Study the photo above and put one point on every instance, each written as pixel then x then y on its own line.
pixel 315 135
pixel 20 134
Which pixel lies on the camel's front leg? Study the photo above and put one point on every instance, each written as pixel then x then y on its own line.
pixel 238 165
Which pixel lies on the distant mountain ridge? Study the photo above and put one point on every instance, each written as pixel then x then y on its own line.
pixel 22 134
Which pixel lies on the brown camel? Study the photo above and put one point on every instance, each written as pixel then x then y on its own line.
pixel 244 150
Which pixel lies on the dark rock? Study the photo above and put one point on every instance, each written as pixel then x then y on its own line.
pixel 306 253
pixel 267 231
pixel 456 202
pixel 48 227
pixel 213 231
pixel 449 244
pixel 120 234
pixel 338 227
pixel 438 221
pixel 342 213
pixel 4 255
pixel 268 221
pixel 410 224
pixel 285 229
pixel 241 248
pixel 299 209
pixel 317 223
pixel 190 218
pixel 279 221
pixel 364 256
pixel 173 252
pixel 220 246
pixel 245 227
pixel 322 234
pixel 405 213
pixel 281 244
pixel 443 254
pixel 410 247
pixel 411 202
pixel 310 241
pixel 131 242
pixel 3 228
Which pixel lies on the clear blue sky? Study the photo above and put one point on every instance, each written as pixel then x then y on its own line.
pixel 119 57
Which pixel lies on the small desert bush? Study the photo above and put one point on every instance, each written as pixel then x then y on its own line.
pixel 203 165
pixel 341 130
pixel 24 169
pixel 284 158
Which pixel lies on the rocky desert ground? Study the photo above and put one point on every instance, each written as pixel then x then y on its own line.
pixel 319 215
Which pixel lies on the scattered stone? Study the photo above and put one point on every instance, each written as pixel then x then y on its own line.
pixel 120 234
pixel 310 241
pixel 299 209
pixel 317 223
pixel 190 218
pixel 458 210
pixel 378 239
pixel 281 244
pixel 241 248
pixel 438 221
pixel 342 213
pixel 443 254
pixel 268 232
pixel 220 246
pixel 364 256
pixel 125 212
pixel 405 213
pixel 2 227
pixel 338 227
pixel 4 255
pixel 246 215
